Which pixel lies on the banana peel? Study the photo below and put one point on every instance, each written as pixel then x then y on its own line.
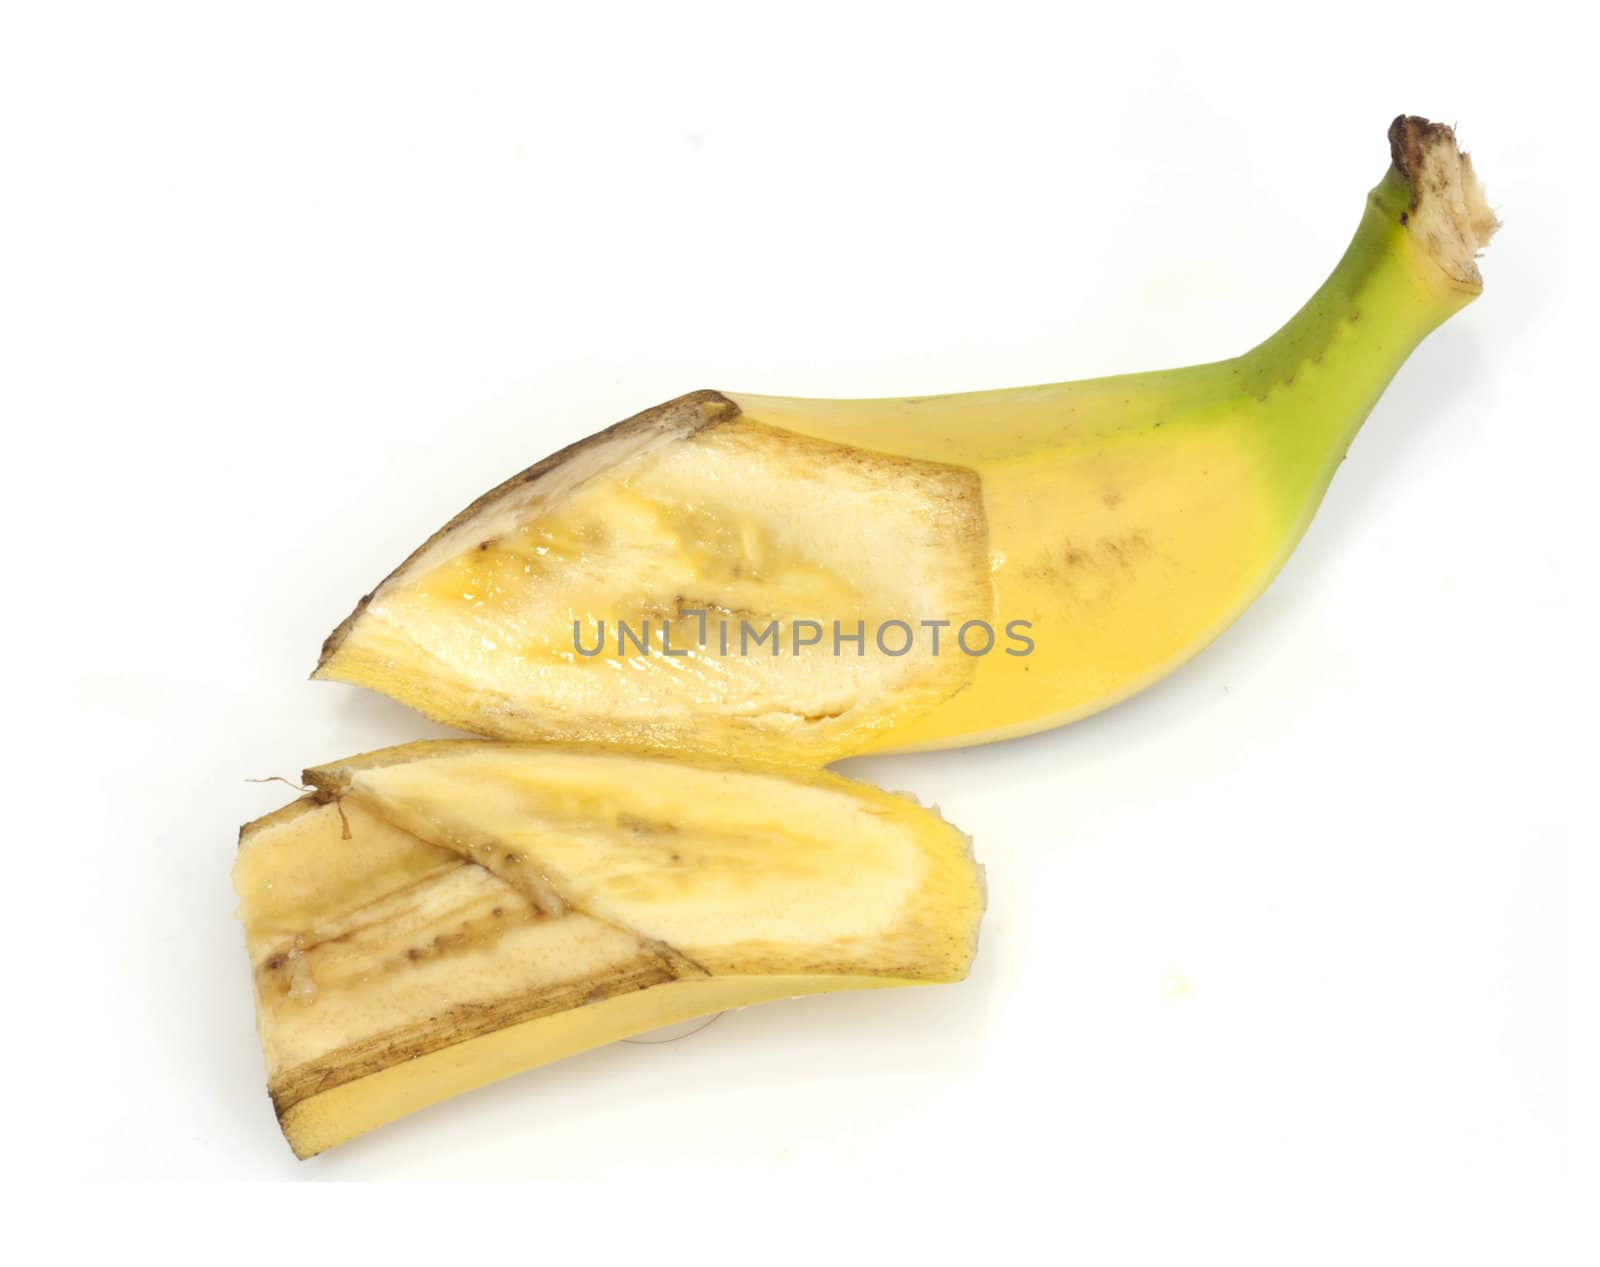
pixel 436 916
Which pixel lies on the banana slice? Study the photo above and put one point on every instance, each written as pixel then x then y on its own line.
pixel 440 915
pixel 684 580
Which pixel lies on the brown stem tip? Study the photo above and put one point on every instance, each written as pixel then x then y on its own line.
pixel 1448 215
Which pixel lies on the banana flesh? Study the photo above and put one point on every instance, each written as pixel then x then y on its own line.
pixel 443 914
pixel 1118 525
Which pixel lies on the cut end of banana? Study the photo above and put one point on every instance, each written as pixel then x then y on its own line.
pixel 444 914
pixel 1448 215
pixel 678 582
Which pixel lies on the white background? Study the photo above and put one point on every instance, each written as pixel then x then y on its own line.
pixel 1281 957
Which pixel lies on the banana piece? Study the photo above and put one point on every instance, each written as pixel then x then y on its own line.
pixel 440 915
pixel 1053 550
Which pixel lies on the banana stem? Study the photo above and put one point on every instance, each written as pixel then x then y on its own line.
pixel 1409 268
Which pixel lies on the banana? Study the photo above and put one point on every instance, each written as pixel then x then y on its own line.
pixel 799 580
pixel 439 915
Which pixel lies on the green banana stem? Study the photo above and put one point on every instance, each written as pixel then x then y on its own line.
pixel 1408 269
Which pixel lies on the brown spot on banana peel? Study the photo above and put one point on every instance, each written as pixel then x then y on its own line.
pixel 645 826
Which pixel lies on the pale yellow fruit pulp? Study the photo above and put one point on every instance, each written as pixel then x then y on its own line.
pixel 450 912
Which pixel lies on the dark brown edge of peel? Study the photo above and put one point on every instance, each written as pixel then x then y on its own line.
pixel 462 1024
pixel 726 410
